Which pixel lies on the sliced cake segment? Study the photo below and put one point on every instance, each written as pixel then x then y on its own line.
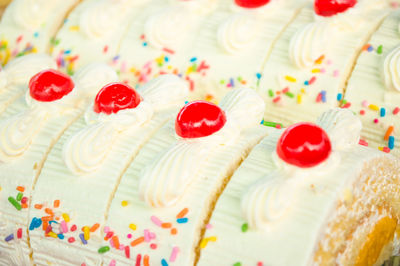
pixel 373 90
pixel 89 160
pixel 159 209
pixel 312 192
pixel 93 31
pixel 29 128
pixel 311 62
pixel 233 44
pixel 28 26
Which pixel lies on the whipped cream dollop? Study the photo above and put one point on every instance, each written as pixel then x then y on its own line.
pixel 391 70
pixel 237 33
pixel 18 131
pixel 168 177
pixel 20 70
pixel 31 14
pixel 260 12
pixel 268 200
pixel 100 18
pixel 86 150
pixel 197 7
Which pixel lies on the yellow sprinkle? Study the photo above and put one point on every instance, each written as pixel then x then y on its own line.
pixel 74 28
pixel 66 217
pixel 380 148
pixel 86 232
pixel 169 67
pixel 0 188
pixel 205 241
pixel 302 90
pixel 133 70
pixel 124 203
pixel 52 234
pixel 34 50
pixel 132 226
pixel 212 238
pixel 299 99
pixel 373 107
pixel 290 79
pixel 315 70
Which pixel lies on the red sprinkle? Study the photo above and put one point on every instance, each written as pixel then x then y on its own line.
pixel 396 110
pixel 127 252
pixel 24 200
pixel 362 112
pixel 276 99
pixel 153 246
pixel 73 228
pixel 71 239
pixel 285 90
pixel 363 142
pixel 312 80
pixel 167 50
pixel 138 259
pixel 386 149
pixel 19 233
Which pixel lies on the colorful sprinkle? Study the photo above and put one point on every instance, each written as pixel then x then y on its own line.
pixel 164 262
pixel 182 213
pixel 379 50
pixel 245 227
pixel 104 249
pixel 82 237
pixel 391 142
pixel 382 112
pixel 14 203
pixel 389 132
pixel 373 107
pixel 174 254
pixel 156 221
pixel 124 203
pixel 132 226
pixel 9 238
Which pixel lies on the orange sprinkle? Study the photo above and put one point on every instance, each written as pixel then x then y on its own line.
pixel 24 205
pixel 174 231
pixel 56 203
pixel 47 218
pixel 48 211
pixel 182 213
pixel 137 241
pixel 20 189
pixel 38 206
pixel 389 132
pixel 45 225
pixel 146 260
pixel 166 225
pixel 320 59
pixel 116 241
pixel 94 227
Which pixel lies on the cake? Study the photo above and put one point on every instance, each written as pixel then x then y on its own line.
pixel 308 195
pixel 28 26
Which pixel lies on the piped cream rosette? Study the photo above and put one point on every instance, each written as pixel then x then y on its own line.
pixel 268 200
pixel 164 181
pixel 85 150
pixel 18 131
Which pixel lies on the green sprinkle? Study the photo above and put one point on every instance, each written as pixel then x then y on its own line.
pixel 14 203
pixel 270 93
pixel 380 49
pixel 222 82
pixel 239 79
pixel 104 249
pixel 271 124
pixel 289 94
pixel 194 67
pixel 237 264
pixel 245 227
pixel 344 102
pixel 19 196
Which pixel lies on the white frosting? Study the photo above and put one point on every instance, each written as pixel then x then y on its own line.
pixel 30 14
pixel 17 132
pixel 342 126
pixel 20 70
pixel 85 151
pixel 198 7
pixel 102 17
pixel 391 68
pixel 165 28
pixel 237 33
pixel 168 177
pixel 263 11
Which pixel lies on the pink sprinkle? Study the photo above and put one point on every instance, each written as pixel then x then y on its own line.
pixel 112 243
pixel 129 236
pixel 19 39
pixel 106 229
pixel 123 67
pixel 174 254
pixel 285 90
pixel 105 49
pixel 329 62
pixel 276 99
pixel 209 226
pixel 147 65
pixel 14 52
pixel 153 246
pixel 376 121
pixel 64 227
pixel 146 235
pixel 260 263
pixel 364 103
pixel 336 73
pixel 322 70
pixel 121 246
pixel 278 126
pixel 83 264
pixel 396 110
pixel 156 221
pixel 312 80
pixel 319 98
pixel 152 235
pixel 113 263
pixel 363 142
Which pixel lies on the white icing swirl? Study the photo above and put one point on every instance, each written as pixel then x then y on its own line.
pixel 166 180
pixel 30 14
pixel 165 29
pixel 198 7
pixel 260 12
pixel 237 33
pixel 104 130
pixel 309 43
pixel 391 70
pixel 342 126
pixel 102 17
pixel 20 129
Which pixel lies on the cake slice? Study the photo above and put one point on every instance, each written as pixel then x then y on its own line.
pixel 93 31
pixel 160 38
pixel 373 90
pixel 234 43
pixel 311 62
pixel 29 128
pixel 27 26
pixel 160 206
pixel 309 195
pixel 14 77
pixel 89 160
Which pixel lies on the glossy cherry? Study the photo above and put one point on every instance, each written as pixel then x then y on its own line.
pixel 199 119
pixel 251 3
pixel 327 8
pixel 304 145
pixel 50 85
pixel 115 97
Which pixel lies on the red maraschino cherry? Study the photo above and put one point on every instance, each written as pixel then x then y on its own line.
pixel 199 119
pixel 50 85
pixel 304 145
pixel 251 3
pixel 115 97
pixel 327 8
